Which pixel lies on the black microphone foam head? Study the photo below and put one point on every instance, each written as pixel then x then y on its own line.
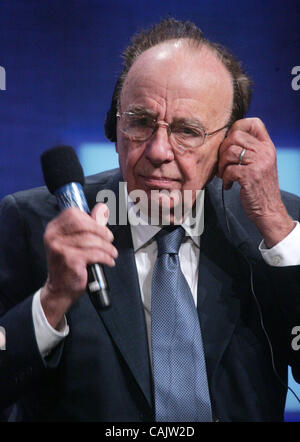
pixel 61 166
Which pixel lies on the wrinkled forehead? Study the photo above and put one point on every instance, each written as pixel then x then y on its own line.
pixel 177 70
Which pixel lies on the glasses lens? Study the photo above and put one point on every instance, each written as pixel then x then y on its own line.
pixel 188 137
pixel 138 127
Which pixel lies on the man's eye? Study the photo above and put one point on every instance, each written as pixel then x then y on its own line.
pixel 188 131
pixel 141 122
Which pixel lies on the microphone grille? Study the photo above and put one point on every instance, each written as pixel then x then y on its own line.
pixel 60 166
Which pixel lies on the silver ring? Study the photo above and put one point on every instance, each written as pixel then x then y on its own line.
pixel 241 156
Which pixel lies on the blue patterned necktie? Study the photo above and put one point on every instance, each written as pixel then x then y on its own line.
pixel 180 382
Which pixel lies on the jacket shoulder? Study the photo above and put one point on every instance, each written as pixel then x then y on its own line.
pixel 40 201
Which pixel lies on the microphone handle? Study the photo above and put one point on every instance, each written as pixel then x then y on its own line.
pixel 97 287
pixel 72 195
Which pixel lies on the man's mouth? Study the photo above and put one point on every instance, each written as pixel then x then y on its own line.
pixel 159 182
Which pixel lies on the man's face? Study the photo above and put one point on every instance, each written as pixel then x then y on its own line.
pixel 174 82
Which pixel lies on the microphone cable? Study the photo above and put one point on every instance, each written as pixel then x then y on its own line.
pixel 284 384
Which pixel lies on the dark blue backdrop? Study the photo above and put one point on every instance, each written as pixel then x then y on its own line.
pixel 62 58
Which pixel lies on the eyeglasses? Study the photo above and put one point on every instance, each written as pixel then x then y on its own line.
pixel 140 127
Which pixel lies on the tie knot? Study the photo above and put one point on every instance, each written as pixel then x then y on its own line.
pixel 169 240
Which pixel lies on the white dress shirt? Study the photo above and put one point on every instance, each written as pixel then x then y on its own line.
pixel 145 251
pixel 285 253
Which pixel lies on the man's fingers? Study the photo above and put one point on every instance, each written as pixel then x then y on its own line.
pixel 252 126
pixel 239 138
pixel 96 256
pixel 75 232
pixel 259 154
pixel 86 240
pixel 72 221
pixel 60 245
pixel 232 157
pixel 73 259
pixel 230 175
pixel 100 214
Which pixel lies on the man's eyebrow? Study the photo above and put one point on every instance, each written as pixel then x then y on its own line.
pixel 194 122
pixel 140 110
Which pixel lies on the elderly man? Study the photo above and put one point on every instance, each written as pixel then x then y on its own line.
pixel 200 323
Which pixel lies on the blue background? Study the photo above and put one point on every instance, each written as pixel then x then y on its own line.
pixel 62 58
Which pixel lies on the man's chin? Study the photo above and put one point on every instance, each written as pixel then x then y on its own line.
pixel 163 206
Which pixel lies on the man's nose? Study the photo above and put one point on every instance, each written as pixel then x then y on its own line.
pixel 159 148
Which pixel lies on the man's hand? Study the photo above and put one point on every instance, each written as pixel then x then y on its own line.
pixel 257 176
pixel 72 241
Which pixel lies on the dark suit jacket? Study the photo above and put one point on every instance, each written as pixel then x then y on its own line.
pixel 101 371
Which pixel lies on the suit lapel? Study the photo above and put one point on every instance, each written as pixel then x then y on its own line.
pixel 218 308
pixel 124 319
pixel 221 278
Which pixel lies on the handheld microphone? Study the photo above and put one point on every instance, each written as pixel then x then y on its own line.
pixel 64 178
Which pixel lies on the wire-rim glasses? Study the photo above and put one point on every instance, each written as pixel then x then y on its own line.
pixel 139 127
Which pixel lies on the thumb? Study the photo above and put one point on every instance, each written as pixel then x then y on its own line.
pixel 100 214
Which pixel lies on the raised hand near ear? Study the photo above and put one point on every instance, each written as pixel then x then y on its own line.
pixel 248 156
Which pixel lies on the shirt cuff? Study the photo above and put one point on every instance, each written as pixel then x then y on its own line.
pixel 286 252
pixel 46 336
